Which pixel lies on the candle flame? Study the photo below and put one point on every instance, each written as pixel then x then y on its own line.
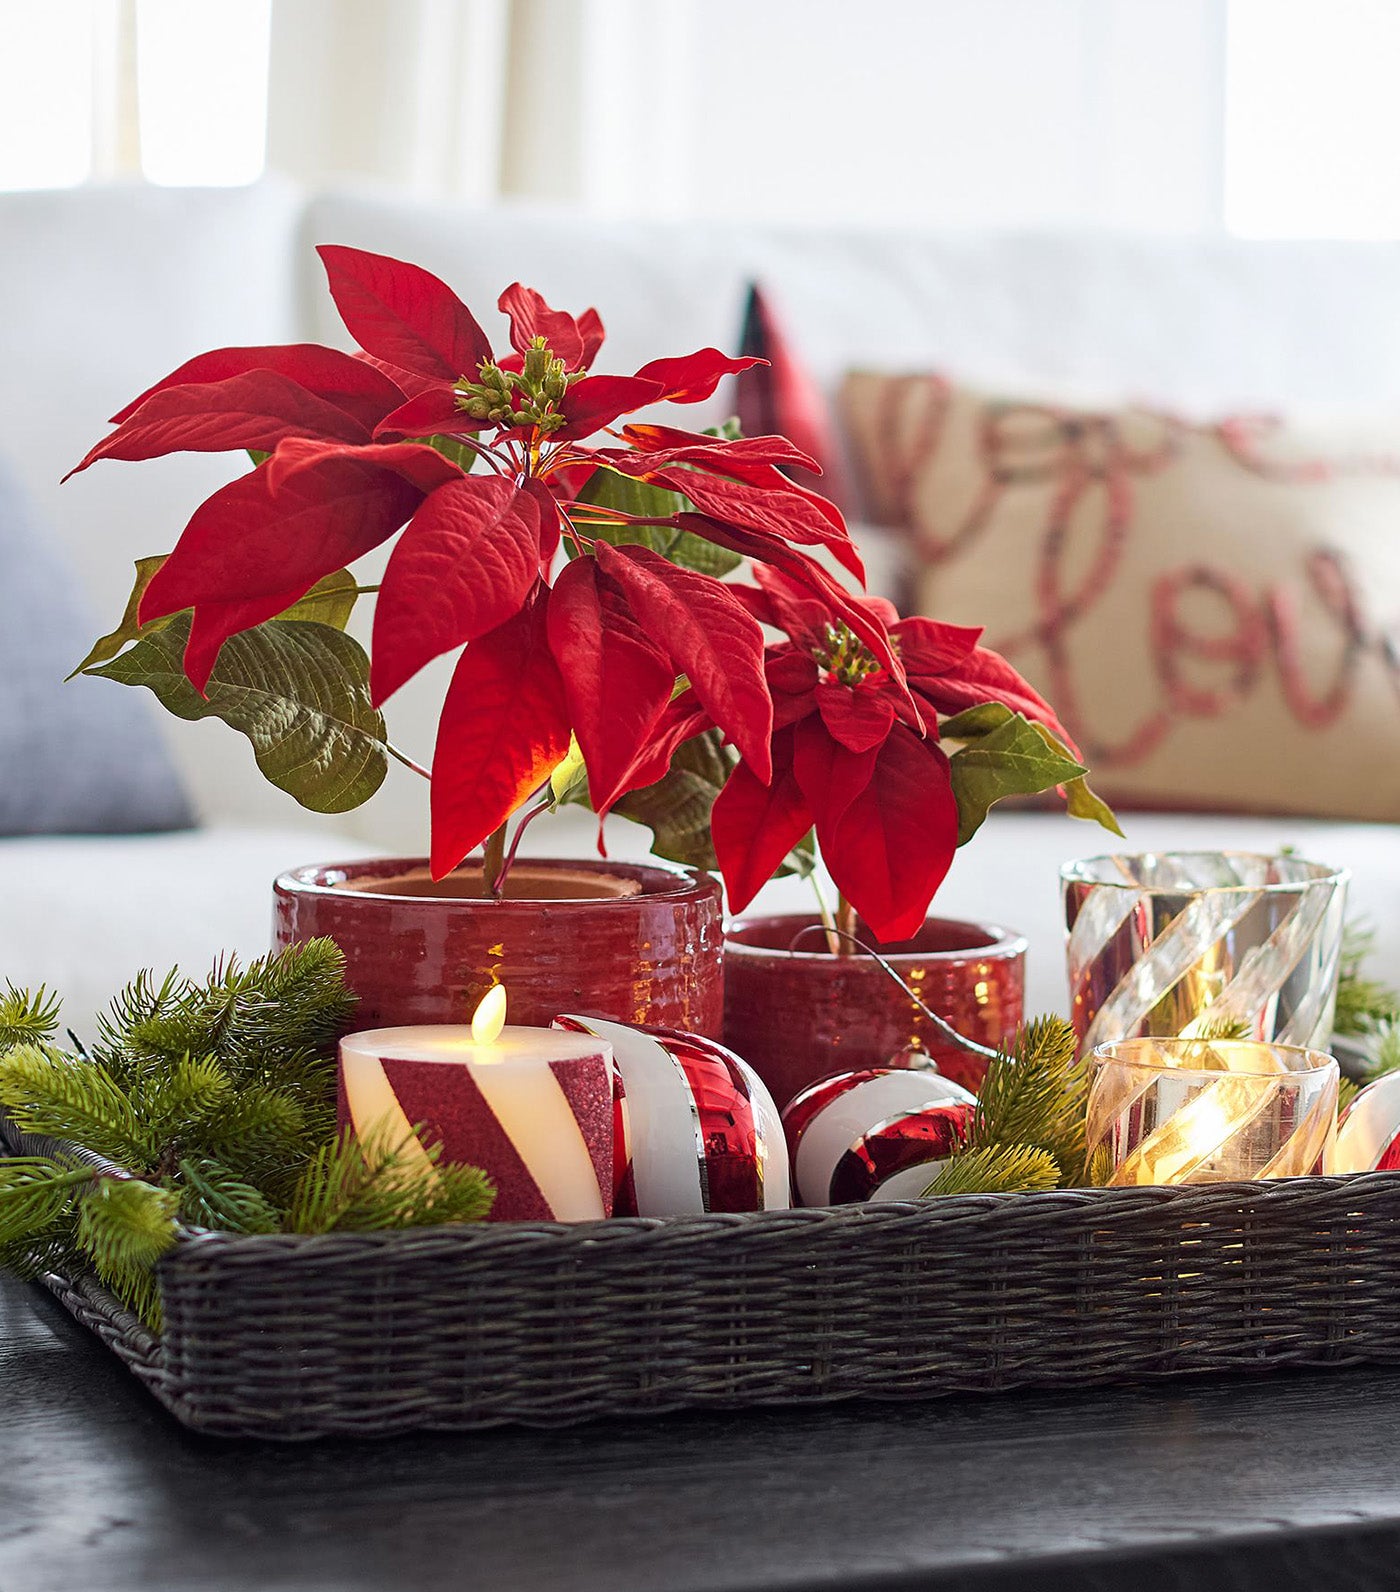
pixel 489 1018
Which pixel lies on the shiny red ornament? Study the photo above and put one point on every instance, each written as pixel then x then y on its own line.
pixel 1368 1135
pixel 697 1129
pixel 878 1134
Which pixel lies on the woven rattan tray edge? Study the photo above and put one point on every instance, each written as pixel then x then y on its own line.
pixel 1346 1224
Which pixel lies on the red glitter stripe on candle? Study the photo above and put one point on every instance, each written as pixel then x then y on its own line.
pixel 587 1083
pixel 445 1098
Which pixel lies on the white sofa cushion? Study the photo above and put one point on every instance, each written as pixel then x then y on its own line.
pixel 106 289
pixel 1201 322
pixel 84 915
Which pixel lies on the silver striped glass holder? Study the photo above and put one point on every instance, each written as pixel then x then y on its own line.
pixel 1201 943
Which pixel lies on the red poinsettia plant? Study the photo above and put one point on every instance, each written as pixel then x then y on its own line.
pixel 579 562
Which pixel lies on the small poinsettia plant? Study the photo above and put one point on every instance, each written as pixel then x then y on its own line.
pixel 579 562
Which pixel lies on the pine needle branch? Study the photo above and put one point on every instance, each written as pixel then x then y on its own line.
pixel 353 1185
pixel 1363 1004
pixel 1034 1093
pixel 64 1097
pixel 1226 1028
pixel 36 1196
pixel 996 1169
pixel 124 1227
pixel 211 1196
pixel 217 1098
pixel 1387 1049
pixel 1029 1121
pixel 27 1017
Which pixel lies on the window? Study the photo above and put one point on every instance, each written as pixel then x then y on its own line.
pixel 202 89
pixel 1264 118
pixel 1312 119
pixel 174 90
pixel 46 94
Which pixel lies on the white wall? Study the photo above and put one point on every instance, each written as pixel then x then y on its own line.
pixel 963 113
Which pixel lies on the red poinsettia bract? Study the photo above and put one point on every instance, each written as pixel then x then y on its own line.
pixel 479 462
pixel 854 753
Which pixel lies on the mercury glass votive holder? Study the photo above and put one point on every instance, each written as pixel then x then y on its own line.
pixel 1195 943
pixel 1208 1111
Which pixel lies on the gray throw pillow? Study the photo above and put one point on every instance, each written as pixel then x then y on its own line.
pixel 83 757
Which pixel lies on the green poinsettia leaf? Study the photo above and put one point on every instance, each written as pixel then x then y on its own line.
pixel 1080 800
pixel 1083 802
pixel 1012 759
pixel 677 807
pixel 128 628
pixel 607 489
pixel 330 601
pixel 569 781
pixel 298 690
pixel 972 723
pixel 451 448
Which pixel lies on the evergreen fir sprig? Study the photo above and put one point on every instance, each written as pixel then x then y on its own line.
pixel 211 1196
pixel 1027 1130
pixel 362 1185
pixel 997 1169
pixel 56 1095
pixel 1363 1004
pixel 36 1198
pixel 216 1099
pixel 1225 1028
pixel 27 1018
pixel 124 1226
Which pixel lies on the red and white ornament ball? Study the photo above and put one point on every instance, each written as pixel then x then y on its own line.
pixel 879 1134
pixel 1368 1136
pixel 696 1128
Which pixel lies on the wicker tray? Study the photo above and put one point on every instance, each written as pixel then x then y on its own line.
pixel 468 1327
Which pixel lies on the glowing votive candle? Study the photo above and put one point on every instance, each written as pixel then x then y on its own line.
pixel 532 1107
pixel 1209 1110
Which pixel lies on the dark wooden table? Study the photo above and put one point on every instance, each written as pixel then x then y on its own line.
pixel 1274 1483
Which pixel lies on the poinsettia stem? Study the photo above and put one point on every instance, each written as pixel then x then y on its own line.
pixel 540 807
pixel 833 941
pixel 581 543
pixel 621 517
pixel 845 926
pixel 473 446
pixel 493 863
pixel 406 760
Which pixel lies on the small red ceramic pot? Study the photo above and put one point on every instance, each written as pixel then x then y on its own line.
pixel 798 1015
pixel 641 944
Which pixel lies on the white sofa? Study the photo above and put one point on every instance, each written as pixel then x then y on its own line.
pixel 104 289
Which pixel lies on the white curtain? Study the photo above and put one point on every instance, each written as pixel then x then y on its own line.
pixel 411 93
pixel 574 101
pixel 1272 117
pixel 934 112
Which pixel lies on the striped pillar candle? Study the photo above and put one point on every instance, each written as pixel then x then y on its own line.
pixel 532 1107
pixel 878 1134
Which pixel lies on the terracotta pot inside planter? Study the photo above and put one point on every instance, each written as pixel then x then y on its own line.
pixel 799 1015
pixel 524 882
pixel 641 944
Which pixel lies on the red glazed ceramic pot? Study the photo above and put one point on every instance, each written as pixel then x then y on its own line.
pixel 638 944
pixel 796 1016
